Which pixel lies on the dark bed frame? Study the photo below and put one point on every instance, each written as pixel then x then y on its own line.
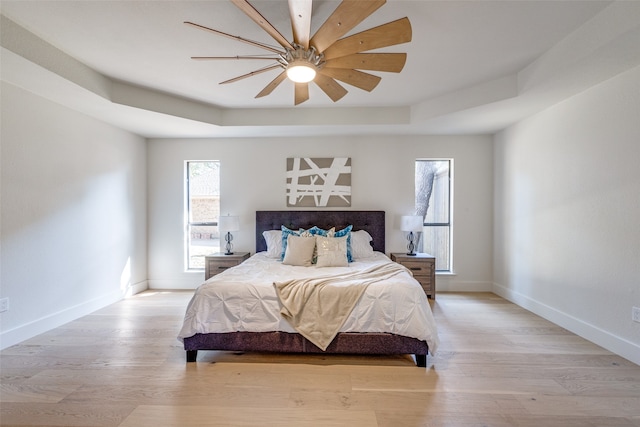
pixel 283 342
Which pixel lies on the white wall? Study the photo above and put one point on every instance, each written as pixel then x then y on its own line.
pixel 567 213
pixel 73 224
pixel 253 178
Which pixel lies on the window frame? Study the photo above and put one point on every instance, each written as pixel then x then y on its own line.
pixel 449 222
pixel 187 217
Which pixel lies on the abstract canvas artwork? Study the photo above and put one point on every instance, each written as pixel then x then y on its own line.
pixel 319 182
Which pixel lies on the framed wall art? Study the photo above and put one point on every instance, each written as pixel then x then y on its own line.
pixel 318 182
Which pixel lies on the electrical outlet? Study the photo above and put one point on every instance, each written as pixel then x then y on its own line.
pixel 635 314
pixel 4 304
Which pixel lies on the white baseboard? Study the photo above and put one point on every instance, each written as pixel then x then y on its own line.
pixel 613 343
pixel 136 288
pixel 21 333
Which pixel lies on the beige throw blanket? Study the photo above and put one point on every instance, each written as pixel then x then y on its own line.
pixel 318 307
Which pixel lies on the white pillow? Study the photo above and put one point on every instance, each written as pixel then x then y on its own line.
pixel 361 245
pixel 332 251
pixel 299 250
pixel 274 243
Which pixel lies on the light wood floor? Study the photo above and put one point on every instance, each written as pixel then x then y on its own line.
pixel 498 365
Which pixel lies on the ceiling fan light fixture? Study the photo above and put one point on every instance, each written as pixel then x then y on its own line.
pixel 301 72
pixel 301 64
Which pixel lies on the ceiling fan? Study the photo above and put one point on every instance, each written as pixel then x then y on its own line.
pixel 324 57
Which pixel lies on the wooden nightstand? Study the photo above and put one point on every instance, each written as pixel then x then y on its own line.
pixel 423 267
pixel 217 263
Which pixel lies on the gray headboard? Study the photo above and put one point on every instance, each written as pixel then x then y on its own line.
pixel 371 221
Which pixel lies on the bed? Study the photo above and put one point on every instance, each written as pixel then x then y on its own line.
pixel 252 306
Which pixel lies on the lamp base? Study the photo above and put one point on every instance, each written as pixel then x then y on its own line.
pixel 228 238
pixel 410 246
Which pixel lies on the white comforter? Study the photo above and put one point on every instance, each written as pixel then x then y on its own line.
pixel 243 298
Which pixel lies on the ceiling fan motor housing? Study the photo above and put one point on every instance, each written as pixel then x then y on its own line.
pixel 302 64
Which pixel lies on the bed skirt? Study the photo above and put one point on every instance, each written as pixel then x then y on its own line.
pixel 285 342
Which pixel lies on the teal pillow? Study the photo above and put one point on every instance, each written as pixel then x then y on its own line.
pixel 316 231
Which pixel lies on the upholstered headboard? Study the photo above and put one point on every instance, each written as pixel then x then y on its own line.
pixel 371 221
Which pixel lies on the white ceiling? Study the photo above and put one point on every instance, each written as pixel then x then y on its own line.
pixel 472 67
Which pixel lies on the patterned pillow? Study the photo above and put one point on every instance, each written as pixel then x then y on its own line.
pixel 316 231
pixel 332 251
pixel 332 233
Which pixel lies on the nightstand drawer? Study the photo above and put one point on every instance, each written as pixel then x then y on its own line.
pixel 221 264
pixel 215 264
pixel 418 268
pixel 425 280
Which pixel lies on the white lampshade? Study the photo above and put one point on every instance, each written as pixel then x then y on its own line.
pixel 229 223
pixel 411 223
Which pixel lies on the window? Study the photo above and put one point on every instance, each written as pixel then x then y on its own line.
pixel 202 236
pixel 433 202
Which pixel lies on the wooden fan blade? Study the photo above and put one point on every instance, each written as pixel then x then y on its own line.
pixel 238 38
pixel 300 12
pixel 389 62
pixel 252 13
pixel 301 93
pixel 253 73
pixel 329 86
pixel 206 58
pixel 355 78
pixel 389 34
pixel 272 85
pixel 346 16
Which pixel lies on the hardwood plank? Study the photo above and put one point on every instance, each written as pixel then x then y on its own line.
pixel 176 394
pixel 595 406
pixel 34 393
pixel 64 415
pixel 569 421
pixel 105 377
pixel 184 416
